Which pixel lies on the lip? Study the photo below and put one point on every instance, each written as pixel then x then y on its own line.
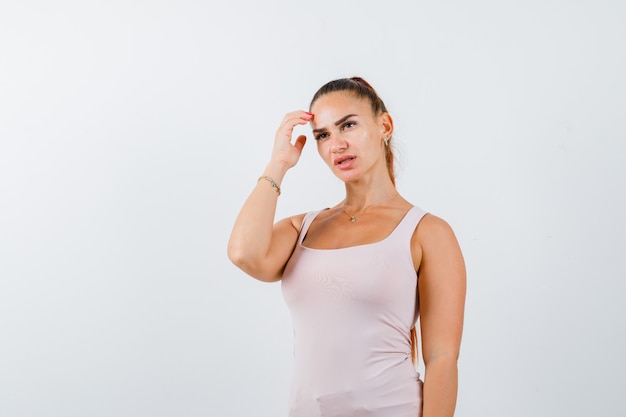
pixel 344 161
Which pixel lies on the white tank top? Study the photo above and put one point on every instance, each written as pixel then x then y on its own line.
pixel 353 309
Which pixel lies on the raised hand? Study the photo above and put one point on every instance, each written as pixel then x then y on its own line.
pixel 284 152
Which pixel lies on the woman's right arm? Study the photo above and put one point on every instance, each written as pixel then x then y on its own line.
pixel 257 246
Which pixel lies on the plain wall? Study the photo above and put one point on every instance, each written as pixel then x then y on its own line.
pixel 131 133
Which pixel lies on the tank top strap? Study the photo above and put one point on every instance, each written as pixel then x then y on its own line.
pixel 306 223
pixel 405 229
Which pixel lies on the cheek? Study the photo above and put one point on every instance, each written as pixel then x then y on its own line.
pixel 321 148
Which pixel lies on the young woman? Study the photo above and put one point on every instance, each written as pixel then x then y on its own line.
pixel 356 276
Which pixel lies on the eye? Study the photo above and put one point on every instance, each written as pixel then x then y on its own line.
pixel 321 136
pixel 348 125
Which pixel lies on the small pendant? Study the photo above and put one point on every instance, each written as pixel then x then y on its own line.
pixel 352 219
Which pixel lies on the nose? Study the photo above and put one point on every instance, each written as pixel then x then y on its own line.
pixel 338 144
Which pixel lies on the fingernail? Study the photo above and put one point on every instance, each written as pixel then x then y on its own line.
pixel 310 114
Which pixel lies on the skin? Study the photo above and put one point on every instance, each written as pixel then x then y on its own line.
pixel 261 248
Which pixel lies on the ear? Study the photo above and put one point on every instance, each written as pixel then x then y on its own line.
pixel 386 124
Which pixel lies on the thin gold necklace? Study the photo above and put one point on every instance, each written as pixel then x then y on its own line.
pixel 352 218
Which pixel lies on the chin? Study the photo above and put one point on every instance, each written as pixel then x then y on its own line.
pixel 347 177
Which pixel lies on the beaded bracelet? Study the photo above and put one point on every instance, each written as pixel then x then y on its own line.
pixel 274 185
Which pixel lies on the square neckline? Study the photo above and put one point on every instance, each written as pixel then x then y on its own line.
pixel 393 231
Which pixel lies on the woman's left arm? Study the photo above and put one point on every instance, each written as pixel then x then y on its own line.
pixel 441 288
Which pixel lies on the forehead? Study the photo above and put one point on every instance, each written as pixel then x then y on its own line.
pixel 340 103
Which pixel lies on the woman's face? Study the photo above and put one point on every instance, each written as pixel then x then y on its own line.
pixel 349 135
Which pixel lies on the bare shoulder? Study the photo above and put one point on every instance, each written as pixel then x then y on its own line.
pixel 432 228
pixel 294 221
pixel 434 239
pixel 289 226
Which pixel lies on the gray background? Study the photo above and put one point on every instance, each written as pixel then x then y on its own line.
pixel 131 132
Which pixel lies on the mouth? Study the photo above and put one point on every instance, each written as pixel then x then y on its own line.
pixel 344 160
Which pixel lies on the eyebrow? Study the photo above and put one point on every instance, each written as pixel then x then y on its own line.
pixel 337 123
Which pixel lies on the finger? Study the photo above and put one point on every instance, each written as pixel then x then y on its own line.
pixel 300 143
pixel 292 120
pixel 298 113
pixel 298 117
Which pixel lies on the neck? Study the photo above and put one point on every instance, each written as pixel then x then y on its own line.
pixel 361 195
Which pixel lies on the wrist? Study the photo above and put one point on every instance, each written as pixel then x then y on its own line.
pixel 273 183
pixel 276 170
